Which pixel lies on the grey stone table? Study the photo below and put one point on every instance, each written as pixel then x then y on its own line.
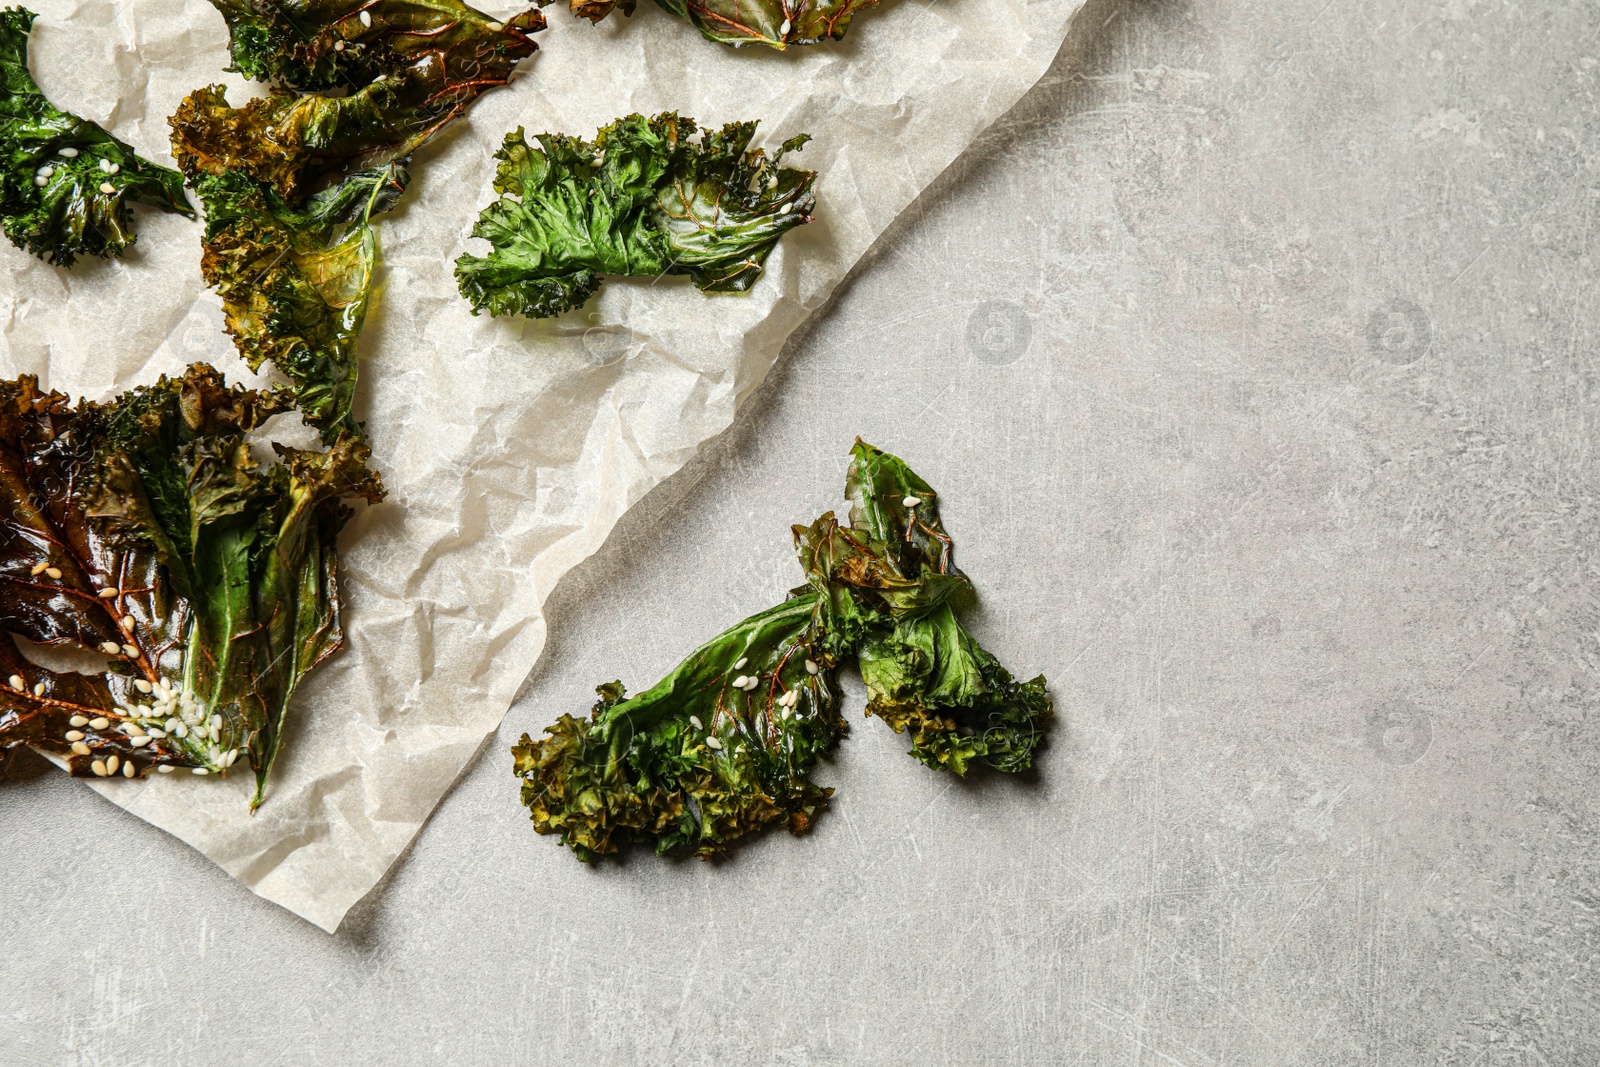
pixel 1253 355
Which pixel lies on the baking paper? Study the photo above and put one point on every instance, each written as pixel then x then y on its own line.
pixel 509 448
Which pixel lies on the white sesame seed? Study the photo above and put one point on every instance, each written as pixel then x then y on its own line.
pixel 111 764
pixel 787 712
pixel 45 171
pixel 76 720
pixel 201 771
pixel 233 757
pixel 156 733
pixel 114 168
pixel 784 29
pixel 105 165
pixel 772 182
pixel 181 730
pixel 99 724
pixel 338 46
pixel 128 623
pixel 742 661
pixel 911 501
pixel 80 748
pixel 142 686
pixel 494 27
pixel 366 18
pixel 110 648
pixel 107 188
pixel 139 742
pixel 133 729
pixel 40 180
pixel 74 735
pixel 712 742
pixel 99 768
pixel 38 689
pixel 53 572
pixel 216 722
pixel 38 568
pixel 171 725
pixel 18 683
pixel 165 768
pixel 694 720
pixel 811 667
pixel 70 153
pixel 129 770
pixel 738 683
pixel 108 592
pixel 130 651
pixel 785 209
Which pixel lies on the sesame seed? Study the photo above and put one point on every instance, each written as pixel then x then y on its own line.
pixel 111 764
pixel 110 648
pixel 139 742
pixel 133 729
pixel 107 593
pixel 201 771
pixel 70 153
pixel 156 733
pixel 38 568
pixel 911 501
pixel 77 720
pixel 38 689
pixel 216 722
pixel 694 720
pixel 165 768
pixel 811 667
pixel 129 770
pixel 105 165
pixel 366 18
pixel 79 748
pixel 99 768
pixel 772 182
pixel 738 683
pixel 129 650
pixel 40 180
pixel 785 209
pixel 45 171
pixel 74 735
pixel 494 27
pixel 181 730
pixel 107 188
pixel 171 725
pixel 128 623
pixel 142 686
pixel 712 742
pixel 233 757
pixel 338 46
pixel 99 724
pixel 784 29
pixel 742 661
pixel 113 168
pixel 53 572
pixel 18 683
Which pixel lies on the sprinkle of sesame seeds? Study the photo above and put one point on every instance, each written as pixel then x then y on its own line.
pixel 783 30
pixel 201 771
pixel 79 748
pixel 99 768
pixel 18 683
pixel 74 735
pixel 165 768
pixel 694 720
pixel 742 661
pixel 129 650
pixel 107 188
pixel 129 770
pixel 107 593
pixel 99 724
pixel 79 720
pixel 38 689
pixel 142 686
pixel 738 683
pixel 53 572
pixel 70 153
pixel 139 742
pixel 366 18
pixel 110 648
pixel 712 742
pixel 811 667
pixel 111 764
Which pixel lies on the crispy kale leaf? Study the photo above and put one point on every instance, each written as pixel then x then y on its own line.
pixel 295 282
pixel 645 198
pixel 402 79
pixel 65 183
pixel 775 23
pixel 143 529
pixel 716 750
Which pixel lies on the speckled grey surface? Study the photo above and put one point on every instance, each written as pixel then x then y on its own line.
pixel 1253 357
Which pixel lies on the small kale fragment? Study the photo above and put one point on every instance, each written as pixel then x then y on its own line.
pixel 774 23
pixel 143 529
pixel 645 198
pixel 723 746
pixel 65 183
pixel 295 282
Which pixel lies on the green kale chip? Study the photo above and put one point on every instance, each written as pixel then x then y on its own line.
pixel 295 282
pixel 142 529
pixel 724 745
pixel 65 183
pixel 645 198
pixel 774 23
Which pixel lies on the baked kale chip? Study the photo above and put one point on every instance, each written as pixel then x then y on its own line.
pixel 295 282
pixel 724 745
pixel 65 183
pixel 645 198
pixel 774 23
pixel 142 529
pixel 419 65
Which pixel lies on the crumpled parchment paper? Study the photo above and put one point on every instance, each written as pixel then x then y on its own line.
pixel 509 448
